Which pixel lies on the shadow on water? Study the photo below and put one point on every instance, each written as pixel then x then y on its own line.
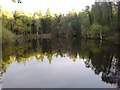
pixel 101 56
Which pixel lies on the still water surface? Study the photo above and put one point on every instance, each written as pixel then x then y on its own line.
pixel 61 63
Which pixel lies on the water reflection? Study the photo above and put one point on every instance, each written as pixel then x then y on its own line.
pixel 102 57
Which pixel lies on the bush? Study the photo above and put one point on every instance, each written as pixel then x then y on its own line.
pixel 95 30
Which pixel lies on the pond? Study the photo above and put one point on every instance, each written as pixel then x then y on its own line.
pixel 61 63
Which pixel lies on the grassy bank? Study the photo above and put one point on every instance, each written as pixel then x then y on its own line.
pixel 40 36
pixel 7 35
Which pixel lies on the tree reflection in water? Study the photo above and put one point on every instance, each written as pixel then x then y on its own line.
pixel 102 57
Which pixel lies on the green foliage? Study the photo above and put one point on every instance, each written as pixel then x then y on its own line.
pixel 75 25
pixel 106 31
pixel 46 25
pixel 19 26
pixel 95 30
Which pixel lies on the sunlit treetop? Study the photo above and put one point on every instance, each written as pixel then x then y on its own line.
pixel 48 13
pixel 6 13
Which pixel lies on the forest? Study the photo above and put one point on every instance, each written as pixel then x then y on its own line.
pixel 99 21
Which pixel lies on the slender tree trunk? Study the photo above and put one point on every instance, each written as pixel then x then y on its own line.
pixel 118 19
pixel 37 32
pixel 119 16
pixel 41 32
pixel 101 35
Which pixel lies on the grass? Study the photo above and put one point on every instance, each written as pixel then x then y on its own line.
pixel 7 35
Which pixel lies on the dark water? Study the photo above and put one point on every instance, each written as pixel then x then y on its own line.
pixel 61 63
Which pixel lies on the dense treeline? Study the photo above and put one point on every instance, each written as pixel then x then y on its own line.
pixel 101 20
pixel 102 57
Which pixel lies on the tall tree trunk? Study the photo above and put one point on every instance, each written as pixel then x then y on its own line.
pixel 118 19
pixel 119 16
